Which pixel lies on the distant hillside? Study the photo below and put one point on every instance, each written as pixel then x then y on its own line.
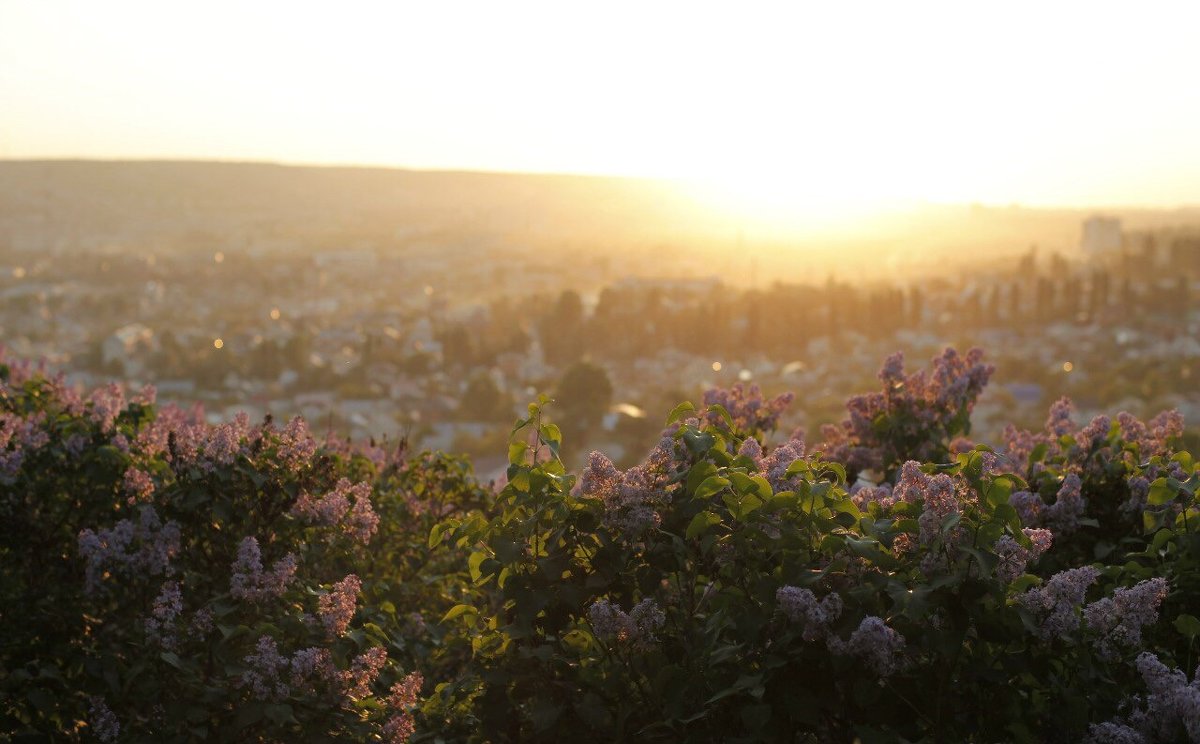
pixel 324 207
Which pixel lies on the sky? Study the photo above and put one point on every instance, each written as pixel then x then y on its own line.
pixel 769 104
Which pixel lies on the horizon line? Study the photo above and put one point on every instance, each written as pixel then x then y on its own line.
pixel 664 180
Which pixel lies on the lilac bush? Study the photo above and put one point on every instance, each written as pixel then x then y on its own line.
pixel 245 581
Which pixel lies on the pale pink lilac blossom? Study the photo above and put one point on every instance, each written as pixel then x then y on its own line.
pixel 336 608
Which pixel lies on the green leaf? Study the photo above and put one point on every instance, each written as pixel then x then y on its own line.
pixel 1188 625
pixel 1160 492
pixel 516 453
pixel 679 412
pixel 724 414
pixel 473 564
pixel 870 550
pixel 698 442
pixel 458 610
pixel 437 533
pixel 711 485
pixel 700 523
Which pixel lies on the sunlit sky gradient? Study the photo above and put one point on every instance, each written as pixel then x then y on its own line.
pixel 824 103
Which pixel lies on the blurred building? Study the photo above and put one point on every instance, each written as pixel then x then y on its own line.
pixel 1101 236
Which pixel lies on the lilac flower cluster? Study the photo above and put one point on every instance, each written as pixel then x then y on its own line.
pixel 248 581
pixel 1093 446
pixel 1118 621
pixel 337 607
pixel 864 495
pixel 801 606
pixel 631 499
pixel 272 676
pixel 102 720
pixel 160 626
pixel 775 465
pixel 357 680
pixel 400 700
pixel 137 484
pixel 920 411
pixel 359 520
pixel 878 646
pixel 105 405
pixel 1058 421
pixel 1170 712
pixel 19 435
pixel 264 675
pixel 296 445
pixel 310 666
pixel 1055 604
pixel 1014 557
pixel 1063 515
pixel 113 551
pixel 1139 489
pixel 750 411
pixel 637 628
pixel 224 442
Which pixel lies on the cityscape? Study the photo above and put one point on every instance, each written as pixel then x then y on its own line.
pixel 429 327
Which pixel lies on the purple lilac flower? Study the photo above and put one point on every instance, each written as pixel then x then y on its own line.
pixel 801 606
pixel 1054 604
pixel 1118 621
pixel 105 404
pixel 1014 557
pixel 1112 732
pixel 1139 489
pixel 920 410
pixel 747 407
pixel 265 669
pixel 1059 423
pixel 1063 515
pixel 296 445
pixel 637 628
pixel 1173 705
pixel 1029 506
pixel 357 680
pixel 879 647
pixel 882 494
pixel 202 622
pixel 137 484
pixel 752 449
pixel 631 499
pixel 401 699
pixel 248 581
pixel 338 606
pixel 102 720
pixel 311 666
pixel 160 626
pixel 113 551
pixel 775 465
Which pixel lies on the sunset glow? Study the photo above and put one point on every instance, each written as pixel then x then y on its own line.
pixel 777 108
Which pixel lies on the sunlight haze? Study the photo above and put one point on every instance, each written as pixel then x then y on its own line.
pixel 774 109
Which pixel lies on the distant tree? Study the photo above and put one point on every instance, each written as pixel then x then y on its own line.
pixel 584 395
pixel 483 400
pixel 561 329
pixel 457 348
